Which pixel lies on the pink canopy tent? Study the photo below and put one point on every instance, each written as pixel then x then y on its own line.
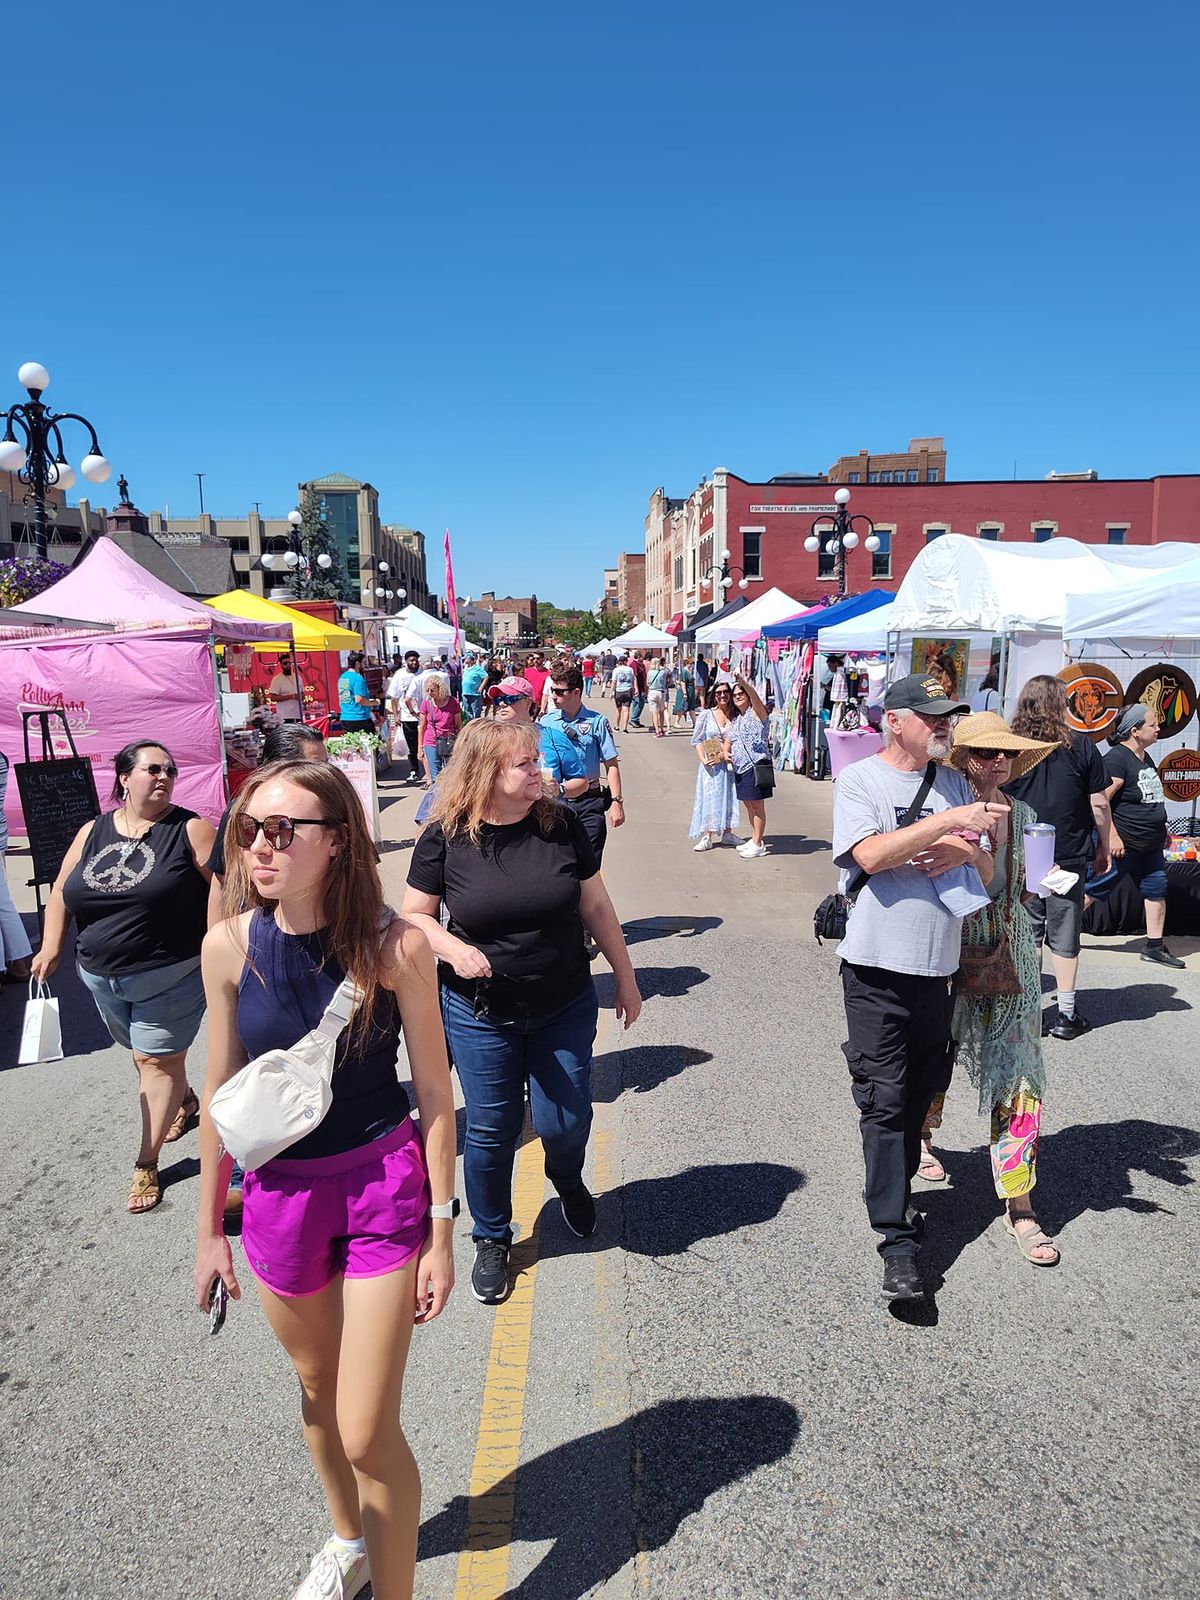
pixel 152 677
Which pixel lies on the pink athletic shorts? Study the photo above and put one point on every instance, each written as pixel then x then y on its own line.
pixel 361 1213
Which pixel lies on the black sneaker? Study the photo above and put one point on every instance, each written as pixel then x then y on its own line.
pixel 901 1280
pixel 1161 956
pixel 1070 1027
pixel 489 1275
pixel 579 1211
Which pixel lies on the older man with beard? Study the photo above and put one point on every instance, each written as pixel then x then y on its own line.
pixel 911 840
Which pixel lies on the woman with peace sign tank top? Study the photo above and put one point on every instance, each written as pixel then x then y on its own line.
pixel 136 883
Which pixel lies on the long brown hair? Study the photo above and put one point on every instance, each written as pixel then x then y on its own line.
pixel 1042 711
pixel 352 893
pixel 464 787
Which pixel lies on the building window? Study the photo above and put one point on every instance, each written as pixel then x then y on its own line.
pixel 881 559
pixel 931 475
pixel 914 476
pixel 677 575
pixel 752 555
pixel 1116 535
pixel 854 477
pixel 1042 531
pixel 989 530
pixel 885 477
pixel 934 530
pixel 872 477
pixel 826 564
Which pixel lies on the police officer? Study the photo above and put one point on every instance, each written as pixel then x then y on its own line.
pixel 576 743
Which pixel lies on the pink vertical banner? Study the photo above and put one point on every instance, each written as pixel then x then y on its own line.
pixel 115 691
pixel 450 596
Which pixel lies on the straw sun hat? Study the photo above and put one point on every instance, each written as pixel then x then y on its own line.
pixel 987 730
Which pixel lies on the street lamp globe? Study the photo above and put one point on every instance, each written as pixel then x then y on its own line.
pixel 324 560
pixel 383 567
pixel 727 583
pixel 842 497
pixel 380 591
pixel 724 555
pixel 12 455
pixel 95 468
pixel 402 594
pixel 295 518
pixel 871 543
pixel 812 544
pixel 291 559
pixel 851 539
pixel 833 546
pixel 33 375
pixel 268 560
pixel 743 583
pixel 64 475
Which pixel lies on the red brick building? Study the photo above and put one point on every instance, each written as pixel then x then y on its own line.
pixel 764 526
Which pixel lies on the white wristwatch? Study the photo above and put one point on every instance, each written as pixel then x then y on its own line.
pixel 448 1212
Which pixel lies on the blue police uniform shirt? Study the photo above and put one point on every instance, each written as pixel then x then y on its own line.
pixel 579 752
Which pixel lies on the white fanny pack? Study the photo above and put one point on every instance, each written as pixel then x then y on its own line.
pixel 283 1094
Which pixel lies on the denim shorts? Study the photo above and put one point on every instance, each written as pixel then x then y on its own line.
pixel 156 1013
pixel 1147 868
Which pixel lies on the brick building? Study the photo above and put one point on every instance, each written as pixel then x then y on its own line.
pixel 764 526
pixel 631 584
pixel 923 462
pixel 514 618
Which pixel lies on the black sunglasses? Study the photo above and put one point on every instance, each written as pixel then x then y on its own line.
pixel 988 755
pixel 278 831
pixel 157 768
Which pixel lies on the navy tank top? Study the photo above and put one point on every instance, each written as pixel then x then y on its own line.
pixel 285 986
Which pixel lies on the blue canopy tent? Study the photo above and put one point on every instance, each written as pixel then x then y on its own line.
pixel 808 626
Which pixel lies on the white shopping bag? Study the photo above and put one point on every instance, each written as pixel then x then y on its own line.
pixel 41 1036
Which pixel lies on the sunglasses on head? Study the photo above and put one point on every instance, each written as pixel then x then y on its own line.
pixel 278 831
pixel 157 768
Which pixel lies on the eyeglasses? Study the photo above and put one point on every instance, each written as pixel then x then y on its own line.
pixel 278 831
pixel 511 699
pixel 988 755
pixel 721 694
pixel 156 769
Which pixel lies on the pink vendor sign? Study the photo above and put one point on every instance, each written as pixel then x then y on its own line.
pixel 116 690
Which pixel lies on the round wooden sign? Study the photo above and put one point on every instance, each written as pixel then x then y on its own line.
pixel 1168 692
pixel 1179 774
pixel 1093 698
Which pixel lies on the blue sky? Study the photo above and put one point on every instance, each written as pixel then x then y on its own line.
pixel 518 264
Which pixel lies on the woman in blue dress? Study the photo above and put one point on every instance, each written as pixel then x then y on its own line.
pixel 715 811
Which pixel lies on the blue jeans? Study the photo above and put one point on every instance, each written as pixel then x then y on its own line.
pixel 435 765
pixel 494 1061
pixel 472 705
pixel 638 706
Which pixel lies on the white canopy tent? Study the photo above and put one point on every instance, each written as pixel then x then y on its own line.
pixel 437 632
pixel 597 649
pixel 401 639
pixel 773 606
pixel 1164 606
pixel 864 633
pixel 644 637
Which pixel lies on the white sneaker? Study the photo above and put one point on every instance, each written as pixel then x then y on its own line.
pixel 334 1575
pixel 704 842
pixel 729 837
pixel 751 849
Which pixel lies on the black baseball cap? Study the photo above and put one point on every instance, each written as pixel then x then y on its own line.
pixel 918 692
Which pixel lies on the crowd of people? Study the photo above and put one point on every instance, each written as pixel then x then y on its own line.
pixel 275 925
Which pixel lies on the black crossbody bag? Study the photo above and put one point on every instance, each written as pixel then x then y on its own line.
pixel 831 916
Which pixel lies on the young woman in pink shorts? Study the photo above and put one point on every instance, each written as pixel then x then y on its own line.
pixel 338 1231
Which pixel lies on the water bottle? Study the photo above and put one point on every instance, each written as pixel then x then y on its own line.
pixel 1039 854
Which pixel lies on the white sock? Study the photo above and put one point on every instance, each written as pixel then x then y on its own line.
pixel 1066 1002
pixel 352 1547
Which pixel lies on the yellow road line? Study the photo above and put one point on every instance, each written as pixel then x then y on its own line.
pixel 483 1564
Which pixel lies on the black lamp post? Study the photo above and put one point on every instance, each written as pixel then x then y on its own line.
pixel 382 591
pixel 724 576
pixel 840 537
pixel 40 461
pixel 295 561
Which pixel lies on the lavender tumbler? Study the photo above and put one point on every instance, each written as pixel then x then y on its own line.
pixel 1039 854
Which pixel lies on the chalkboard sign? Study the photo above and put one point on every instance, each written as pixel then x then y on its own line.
pixel 57 797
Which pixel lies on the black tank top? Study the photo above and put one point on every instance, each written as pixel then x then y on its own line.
pixel 285 986
pixel 138 903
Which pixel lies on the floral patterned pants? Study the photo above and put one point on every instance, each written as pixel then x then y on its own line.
pixel 1014 1143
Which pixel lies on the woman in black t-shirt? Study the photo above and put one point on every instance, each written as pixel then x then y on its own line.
pixel 519 879
pixel 136 883
pixel 1139 822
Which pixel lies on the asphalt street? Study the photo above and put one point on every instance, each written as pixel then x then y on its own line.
pixel 708 1398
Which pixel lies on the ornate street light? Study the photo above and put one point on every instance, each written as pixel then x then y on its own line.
pixel 296 559
pixel 840 537
pixel 40 460
pixel 724 576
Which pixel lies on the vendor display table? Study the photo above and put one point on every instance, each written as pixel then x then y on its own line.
pixel 1122 910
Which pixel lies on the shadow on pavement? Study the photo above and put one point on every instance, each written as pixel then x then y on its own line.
pixel 612 1493
pixel 668 982
pixel 667 1216
pixel 795 844
pixel 642 1068
pixel 1134 1002
pixel 1087 1167
pixel 643 928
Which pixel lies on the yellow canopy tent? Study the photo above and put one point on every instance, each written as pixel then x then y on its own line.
pixel 308 633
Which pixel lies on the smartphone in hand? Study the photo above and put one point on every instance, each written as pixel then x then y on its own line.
pixel 218 1305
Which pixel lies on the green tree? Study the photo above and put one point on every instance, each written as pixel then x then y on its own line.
pixel 585 629
pixel 317 539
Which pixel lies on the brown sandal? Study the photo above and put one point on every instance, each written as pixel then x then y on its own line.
pixel 145 1188
pixel 189 1109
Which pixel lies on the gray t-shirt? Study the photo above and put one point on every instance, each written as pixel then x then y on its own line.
pixel 897 921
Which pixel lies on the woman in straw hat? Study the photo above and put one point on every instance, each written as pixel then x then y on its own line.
pixel 999 1036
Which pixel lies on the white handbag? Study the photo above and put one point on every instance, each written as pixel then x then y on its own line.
pixel 283 1094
